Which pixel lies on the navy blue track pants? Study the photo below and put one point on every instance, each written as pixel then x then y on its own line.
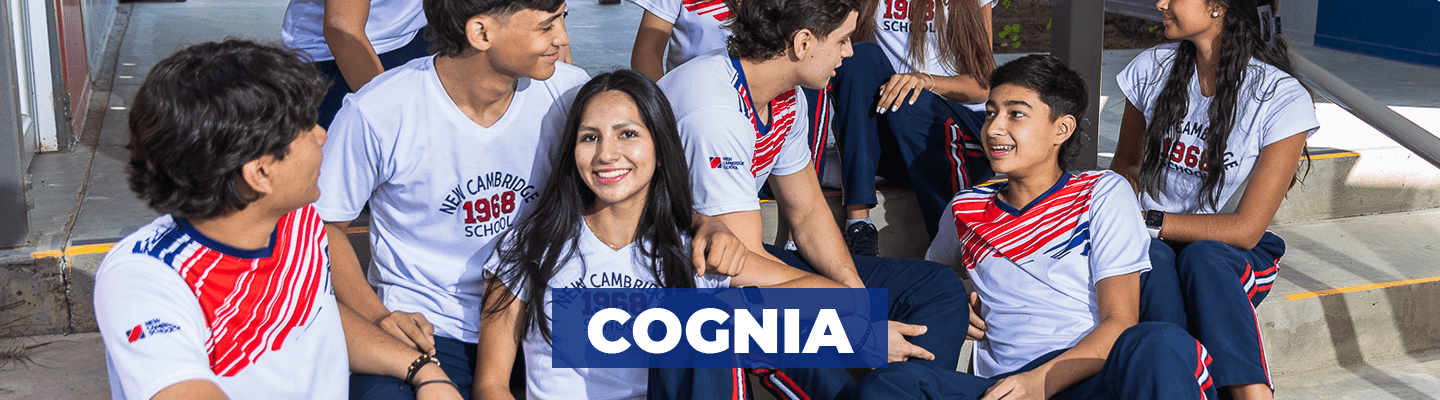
pixel 1211 290
pixel 1151 360
pixel 932 145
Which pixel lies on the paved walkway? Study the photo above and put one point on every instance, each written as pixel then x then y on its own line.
pixel 83 202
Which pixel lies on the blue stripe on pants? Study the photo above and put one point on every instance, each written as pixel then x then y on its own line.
pixel 1150 360
pixel 1215 291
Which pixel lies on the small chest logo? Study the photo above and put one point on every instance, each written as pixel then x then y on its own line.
pixel 725 163
pixel 150 328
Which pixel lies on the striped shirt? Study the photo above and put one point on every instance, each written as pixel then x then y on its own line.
pixel 175 305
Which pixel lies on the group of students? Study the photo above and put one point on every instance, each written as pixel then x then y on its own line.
pixel 494 171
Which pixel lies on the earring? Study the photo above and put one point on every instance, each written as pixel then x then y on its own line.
pixel 1215 14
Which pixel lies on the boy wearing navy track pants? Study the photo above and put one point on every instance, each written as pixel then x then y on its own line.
pixel 1056 260
pixel 743 123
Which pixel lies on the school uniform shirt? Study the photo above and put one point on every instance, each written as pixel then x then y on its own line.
pixel 892 32
pixel 592 265
pixel 698 26
pixel 1272 106
pixel 390 25
pixel 1036 268
pixel 174 305
pixel 440 187
pixel 730 151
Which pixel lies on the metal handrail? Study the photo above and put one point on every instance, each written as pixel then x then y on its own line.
pixel 1400 129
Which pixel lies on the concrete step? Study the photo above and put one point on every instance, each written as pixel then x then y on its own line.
pixel 1354 290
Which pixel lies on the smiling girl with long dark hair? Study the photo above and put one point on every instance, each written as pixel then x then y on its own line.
pixel 618 205
pixel 1214 126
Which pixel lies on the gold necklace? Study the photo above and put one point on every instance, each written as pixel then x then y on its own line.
pixel 602 240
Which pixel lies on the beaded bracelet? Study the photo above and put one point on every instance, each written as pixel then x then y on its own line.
pixel 415 367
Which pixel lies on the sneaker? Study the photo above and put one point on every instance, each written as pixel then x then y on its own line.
pixel 863 239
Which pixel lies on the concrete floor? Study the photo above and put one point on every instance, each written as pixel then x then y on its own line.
pixel 82 199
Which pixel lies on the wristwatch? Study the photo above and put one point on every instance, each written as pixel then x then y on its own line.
pixel 1154 220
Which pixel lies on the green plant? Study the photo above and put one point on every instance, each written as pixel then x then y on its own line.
pixel 1009 36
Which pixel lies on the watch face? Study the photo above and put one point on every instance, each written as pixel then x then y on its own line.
pixel 1154 219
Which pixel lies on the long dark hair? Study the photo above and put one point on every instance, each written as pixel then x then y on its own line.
pixel 1239 42
pixel 533 250
pixel 963 42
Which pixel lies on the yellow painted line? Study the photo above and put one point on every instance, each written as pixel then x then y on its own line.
pixel 1335 155
pixel 1348 289
pixel 74 250
pixel 105 247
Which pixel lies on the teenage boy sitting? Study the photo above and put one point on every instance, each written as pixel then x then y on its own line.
pixel 228 295
pixel 448 151
pixel 1056 260
pixel 742 123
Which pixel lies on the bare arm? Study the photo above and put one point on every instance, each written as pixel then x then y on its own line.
pixel 749 227
pixel 373 352
pixel 815 232
pixel 194 389
pixel 767 273
pixel 903 88
pixel 1130 145
pixel 1119 309
pixel 648 57
pixel 1269 181
pixel 345 34
pixel 353 291
pixel 497 344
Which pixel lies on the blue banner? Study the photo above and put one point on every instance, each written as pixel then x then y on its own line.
pixel 719 328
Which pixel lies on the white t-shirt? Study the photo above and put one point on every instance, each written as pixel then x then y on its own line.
pixel 730 152
pixel 1036 271
pixel 698 26
pixel 1273 106
pixel 440 186
pixel 892 32
pixel 174 305
pixel 593 265
pixel 391 24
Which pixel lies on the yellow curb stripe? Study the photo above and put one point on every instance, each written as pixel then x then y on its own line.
pixel 1335 155
pixel 74 250
pixel 1348 289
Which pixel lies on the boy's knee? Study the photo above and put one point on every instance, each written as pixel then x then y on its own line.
pixel 1149 340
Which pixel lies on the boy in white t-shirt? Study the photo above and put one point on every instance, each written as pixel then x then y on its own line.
pixel 743 124
pixel 228 295
pixel 1056 260
pixel 444 150
pixel 448 152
